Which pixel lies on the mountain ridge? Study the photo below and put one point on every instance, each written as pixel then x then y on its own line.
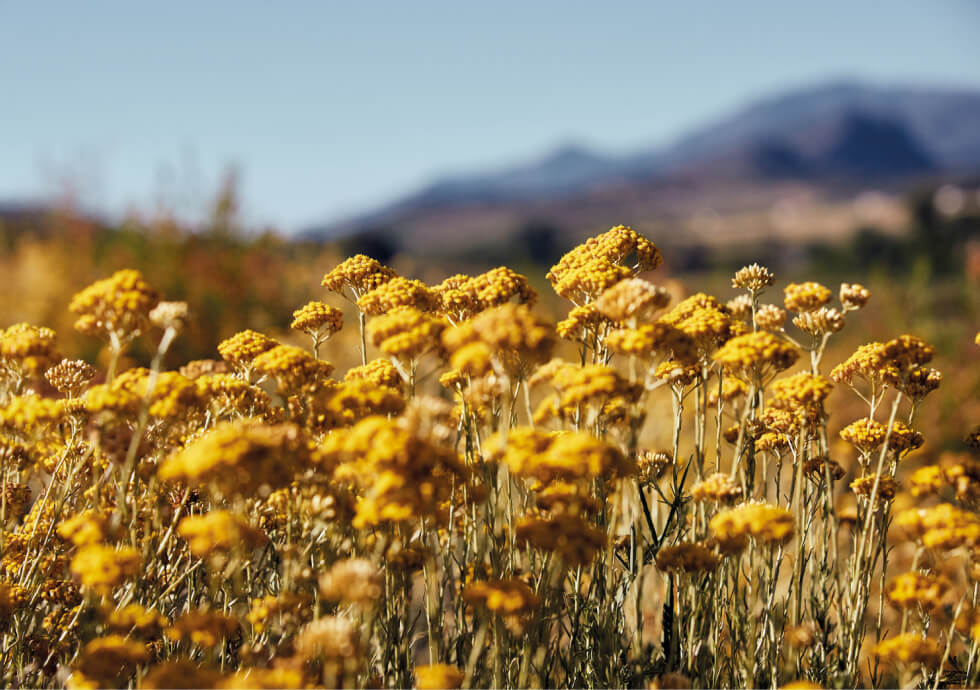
pixel 840 132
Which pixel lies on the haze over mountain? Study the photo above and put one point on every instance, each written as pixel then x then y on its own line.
pixel 841 135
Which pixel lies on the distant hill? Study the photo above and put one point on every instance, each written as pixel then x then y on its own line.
pixel 840 136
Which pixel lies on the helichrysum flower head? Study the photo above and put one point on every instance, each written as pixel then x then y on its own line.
pixel 803 297
pixel 398 292
pixel 87 527
pixel 767 524
pixel 909 649
pixel 944 527
pixel 510 597
pixel 70 376
pixel 108 661
pixel 914 589
pixel 907 352
pixel 241 349
pixel 869 363
pixel 438 677
pixel 570 536
pixel 819 322
pixel 632 301
pixel 118 306
pixel 352 581
pixel 240 457
pixel 885 491
pixel 591 268
pixel 755 355
pixel 103 567
pixel 769 317
pixel 920 382
pixel 568 455
pixel 204 628
pixel 172 315
pixel 360 274
pixel 462 297
pixel 218 531
pixel 517 337
pixel 740 307
pixel 719 488
pixel 380 372
pixel 406 333
pixel 135 620
pixel 292 367
pixel 754 278
pixel 27 350
pixel 687 558
pixel 317 318
pixel 660 339
pixel 853 296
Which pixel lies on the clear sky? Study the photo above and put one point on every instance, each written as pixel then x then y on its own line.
pixel 329 108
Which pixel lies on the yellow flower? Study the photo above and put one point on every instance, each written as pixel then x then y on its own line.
pixel 242 348
pixel 754 356
pixel 718 487
pixel 292 367
pixel 103 567
pixel 317 318
pixel 503 597
pixel 767 524
pixel 117 307
pixel 27 350
pixel 911 590
pixel 687 558
pixel 570 536
pixel 359 274
pixel 218 531
pixel 240 457
pixel 203 628
pixel 591 268
pixel 405 333
pixel 804 297
pixel 911 649
pixel 380 372
pixel 438 677
pixel 110 660
pixel 398 292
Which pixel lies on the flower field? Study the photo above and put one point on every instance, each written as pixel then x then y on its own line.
pixel 450 485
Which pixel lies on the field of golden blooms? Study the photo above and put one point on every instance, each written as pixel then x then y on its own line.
pixel 695 495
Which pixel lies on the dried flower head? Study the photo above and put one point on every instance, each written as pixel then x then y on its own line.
pixel 853 296
pixel 687 558
pixel 819 322
pixel 172 315
pixel 719 488
pixel 70 376
pixel 769 317
pixel 632 301
pixel 352 581
pixel 754 278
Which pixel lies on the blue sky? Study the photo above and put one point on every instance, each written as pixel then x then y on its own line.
pixel 329 108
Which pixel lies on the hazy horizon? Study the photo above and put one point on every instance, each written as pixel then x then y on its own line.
pixel 328 111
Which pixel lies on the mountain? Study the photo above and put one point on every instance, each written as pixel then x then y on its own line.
pixel 840 136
